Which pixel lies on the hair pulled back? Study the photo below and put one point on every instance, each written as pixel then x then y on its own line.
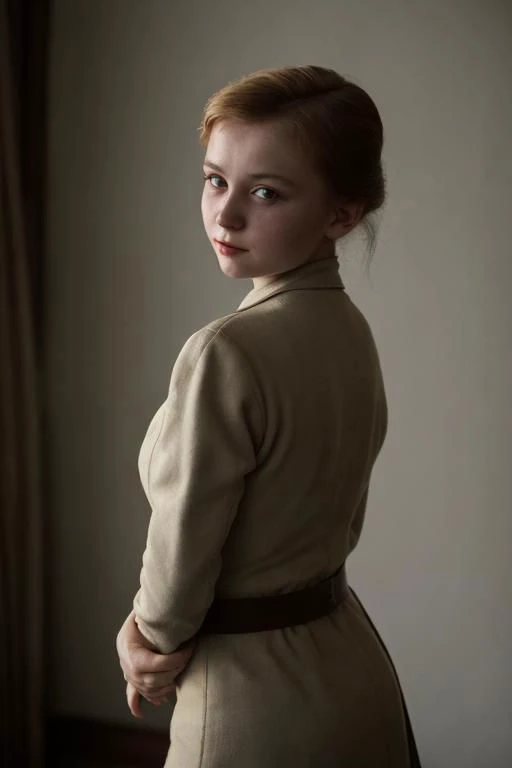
pixel 334 120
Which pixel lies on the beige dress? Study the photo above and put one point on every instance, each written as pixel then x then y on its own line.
pixel 257 468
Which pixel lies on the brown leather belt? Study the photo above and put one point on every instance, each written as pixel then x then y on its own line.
pixel 260 614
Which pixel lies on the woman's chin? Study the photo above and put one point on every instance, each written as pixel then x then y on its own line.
pixel 231 268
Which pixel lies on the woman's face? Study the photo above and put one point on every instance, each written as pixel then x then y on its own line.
pixel 264 196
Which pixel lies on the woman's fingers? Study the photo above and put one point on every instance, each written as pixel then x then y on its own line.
pixel 176 660
pixel 163 693
pixel 152 685
pixel 145 661
pixel 141 663
pixel 161 697
pixel 171 668
pixel 148 683
pixel 133 699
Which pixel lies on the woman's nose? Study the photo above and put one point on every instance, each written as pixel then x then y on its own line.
pixel 229 215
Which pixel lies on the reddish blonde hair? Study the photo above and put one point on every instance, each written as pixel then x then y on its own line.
pixel 333 119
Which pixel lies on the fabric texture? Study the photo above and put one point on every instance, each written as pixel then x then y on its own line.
pixel 257 469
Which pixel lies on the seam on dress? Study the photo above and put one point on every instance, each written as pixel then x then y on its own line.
pixel 150 459
pixel 205 708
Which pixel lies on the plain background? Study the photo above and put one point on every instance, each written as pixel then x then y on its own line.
pixel 132 275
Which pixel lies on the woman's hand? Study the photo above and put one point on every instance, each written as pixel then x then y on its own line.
pixel 147 672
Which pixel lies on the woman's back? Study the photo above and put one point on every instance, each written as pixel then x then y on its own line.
pixel 317 376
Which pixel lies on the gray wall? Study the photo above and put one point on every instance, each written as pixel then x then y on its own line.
pixel 131 275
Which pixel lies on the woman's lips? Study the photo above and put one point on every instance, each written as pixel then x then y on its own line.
pixel 228 250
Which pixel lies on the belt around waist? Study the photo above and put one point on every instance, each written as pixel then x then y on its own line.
pixel 260 614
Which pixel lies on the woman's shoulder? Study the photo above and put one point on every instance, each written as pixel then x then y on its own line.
pixel 232 331
pixel 220 338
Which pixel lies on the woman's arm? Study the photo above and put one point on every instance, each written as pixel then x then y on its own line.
pixel 194 472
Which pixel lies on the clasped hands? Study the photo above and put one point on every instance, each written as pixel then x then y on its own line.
pixel 147 672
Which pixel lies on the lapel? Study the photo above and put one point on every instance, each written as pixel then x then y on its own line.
pixel 323 273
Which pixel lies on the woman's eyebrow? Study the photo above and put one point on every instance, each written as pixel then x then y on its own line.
pixel 277 176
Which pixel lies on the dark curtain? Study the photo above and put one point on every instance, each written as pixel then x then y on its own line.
pixel 24 26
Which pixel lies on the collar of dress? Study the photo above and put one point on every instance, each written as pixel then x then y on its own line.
pixel 323 273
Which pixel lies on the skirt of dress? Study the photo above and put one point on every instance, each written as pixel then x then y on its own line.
pixel 318 695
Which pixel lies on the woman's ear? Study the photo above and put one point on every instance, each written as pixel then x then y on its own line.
pixel 346 217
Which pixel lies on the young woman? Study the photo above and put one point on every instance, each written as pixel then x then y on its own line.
pixel 258 464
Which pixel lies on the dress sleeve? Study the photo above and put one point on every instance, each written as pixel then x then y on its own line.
pixel 203 444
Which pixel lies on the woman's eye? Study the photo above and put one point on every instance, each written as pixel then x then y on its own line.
pixel 272 192
pixel 210 178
